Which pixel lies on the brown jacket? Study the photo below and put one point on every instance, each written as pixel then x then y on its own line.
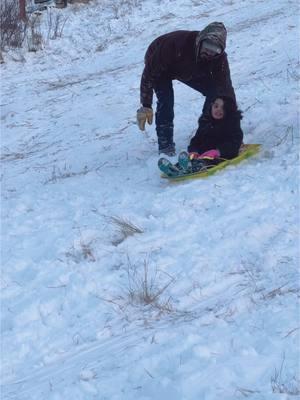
pixel 175 55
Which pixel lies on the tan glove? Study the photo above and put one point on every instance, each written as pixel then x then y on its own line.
pixel 144 114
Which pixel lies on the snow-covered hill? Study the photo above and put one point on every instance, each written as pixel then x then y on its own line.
pixel 115 284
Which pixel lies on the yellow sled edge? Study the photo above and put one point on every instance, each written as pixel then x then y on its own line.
pixel 246 151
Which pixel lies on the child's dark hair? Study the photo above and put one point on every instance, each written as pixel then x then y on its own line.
pixel 230 107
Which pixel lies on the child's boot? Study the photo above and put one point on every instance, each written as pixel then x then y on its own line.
pixel 184 161
pixel 167 167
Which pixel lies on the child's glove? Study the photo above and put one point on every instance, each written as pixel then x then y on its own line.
pixel 144 114
pixel 212 154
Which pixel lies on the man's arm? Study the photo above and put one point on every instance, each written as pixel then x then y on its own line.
pixel 158 59
pixel 221 75
pixel 146 88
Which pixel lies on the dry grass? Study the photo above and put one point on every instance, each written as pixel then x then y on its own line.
pixel 148 287
pixel 82 252
pixel 281 384
pixel 246 392
pixel 60 174
pixel 146 290
pixel 280 291
pixel 292 72
pixel 287 137
pixel 124 227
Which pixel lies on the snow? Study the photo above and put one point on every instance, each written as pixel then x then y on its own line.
pixel 115 283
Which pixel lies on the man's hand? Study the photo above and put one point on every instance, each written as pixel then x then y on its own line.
pixel 144 114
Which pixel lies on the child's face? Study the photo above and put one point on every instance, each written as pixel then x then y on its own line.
pixel 217 109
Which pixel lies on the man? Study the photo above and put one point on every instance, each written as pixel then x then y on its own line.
pixel 196 58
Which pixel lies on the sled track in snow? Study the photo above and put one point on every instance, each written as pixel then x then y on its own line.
pixel 100 356
pixel 52 375
pixel 248 23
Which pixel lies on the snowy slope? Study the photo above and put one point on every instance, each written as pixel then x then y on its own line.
pixel 200 298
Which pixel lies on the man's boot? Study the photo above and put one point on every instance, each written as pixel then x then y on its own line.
pixel 165 140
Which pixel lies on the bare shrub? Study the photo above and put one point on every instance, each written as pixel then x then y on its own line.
pixel 34 34
pixel 123 7
pixel 13 29
pixel 79 1
pixel 61 3
pixel 56 23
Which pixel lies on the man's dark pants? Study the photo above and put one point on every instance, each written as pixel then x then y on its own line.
pixel 164 115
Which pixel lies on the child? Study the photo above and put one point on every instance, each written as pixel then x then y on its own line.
pixel 219 133
pixel 219 136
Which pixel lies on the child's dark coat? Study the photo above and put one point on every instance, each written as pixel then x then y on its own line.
pixel 225 135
